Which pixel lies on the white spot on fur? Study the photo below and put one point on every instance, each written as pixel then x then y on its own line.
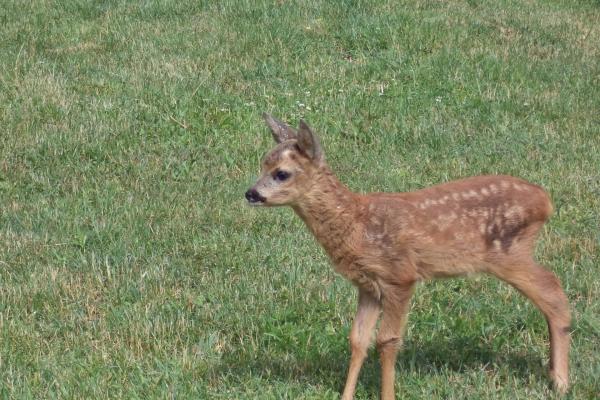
pixel 455 196
pixel 493 188
pixel 285 153
pixel 504 184
pixel 497 244
pixel 459 236
pixel 445 220
pixel 430 202
pixel 485 192
pixel 482 228
pixel 513 213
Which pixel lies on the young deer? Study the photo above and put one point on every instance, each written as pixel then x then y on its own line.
pixel 385 242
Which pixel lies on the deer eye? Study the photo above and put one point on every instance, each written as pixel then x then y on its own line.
pixel 281 175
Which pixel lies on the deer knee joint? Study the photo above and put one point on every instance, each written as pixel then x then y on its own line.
pixel 358 346
pixel 388 343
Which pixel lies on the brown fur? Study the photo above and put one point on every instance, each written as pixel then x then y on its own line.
pixel 385 242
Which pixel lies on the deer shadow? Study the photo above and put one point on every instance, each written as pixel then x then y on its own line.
pixel 460 354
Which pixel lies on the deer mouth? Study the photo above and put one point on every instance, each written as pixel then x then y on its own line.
pixel 254 198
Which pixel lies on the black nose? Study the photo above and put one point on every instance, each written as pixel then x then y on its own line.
pixel 253 196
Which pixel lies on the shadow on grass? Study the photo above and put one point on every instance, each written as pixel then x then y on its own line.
pixel 429 358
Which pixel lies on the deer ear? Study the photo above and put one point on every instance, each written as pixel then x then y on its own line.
pixel 280 131
pixel 308 142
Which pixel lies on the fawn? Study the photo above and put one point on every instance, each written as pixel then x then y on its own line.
pixel 385 242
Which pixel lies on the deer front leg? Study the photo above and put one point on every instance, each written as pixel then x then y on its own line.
pixel 395 305
pixel 360 338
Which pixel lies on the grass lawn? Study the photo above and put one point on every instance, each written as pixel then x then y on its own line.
pixel 130 266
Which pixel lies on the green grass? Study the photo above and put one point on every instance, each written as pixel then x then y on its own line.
pixel 129 130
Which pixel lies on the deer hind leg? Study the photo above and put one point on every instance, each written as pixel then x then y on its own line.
pixel 360 338
pixel 395 305
pixel 543 288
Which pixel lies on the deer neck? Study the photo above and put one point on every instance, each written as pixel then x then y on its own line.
pixel 330 211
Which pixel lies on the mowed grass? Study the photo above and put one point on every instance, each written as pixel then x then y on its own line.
pixel 130 266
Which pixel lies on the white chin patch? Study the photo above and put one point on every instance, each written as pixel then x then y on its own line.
pixel 256 203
